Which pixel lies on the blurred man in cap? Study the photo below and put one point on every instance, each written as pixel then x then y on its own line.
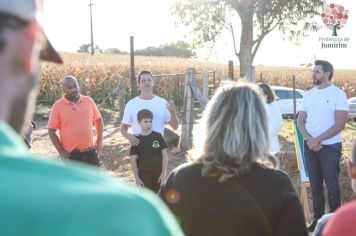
pixel 48 198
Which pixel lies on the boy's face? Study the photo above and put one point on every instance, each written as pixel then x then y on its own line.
pixel 146 123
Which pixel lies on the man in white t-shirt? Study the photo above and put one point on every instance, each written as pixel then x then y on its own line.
pixel 321 120
pixel 163 111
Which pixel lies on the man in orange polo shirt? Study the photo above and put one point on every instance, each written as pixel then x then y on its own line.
pixel 73 115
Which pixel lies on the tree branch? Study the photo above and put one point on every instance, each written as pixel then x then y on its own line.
pixel 258 41
pixel 233 40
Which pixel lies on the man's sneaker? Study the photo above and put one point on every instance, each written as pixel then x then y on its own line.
pixel 312 225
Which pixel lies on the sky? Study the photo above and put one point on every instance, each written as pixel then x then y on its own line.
pixel 67 24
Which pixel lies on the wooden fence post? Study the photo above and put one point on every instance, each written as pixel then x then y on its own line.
pixel 122 92
pixel 205 86
pixel 231 70
pixel 177 102
pixel 214 81
pixel 188 111
pixel 132 68
pixel 294 100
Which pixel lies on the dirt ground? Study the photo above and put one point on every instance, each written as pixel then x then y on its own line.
pixel 115 161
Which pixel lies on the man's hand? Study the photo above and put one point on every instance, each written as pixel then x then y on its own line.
pixel 314 144
pixel 99 146
pixel 133 140
pixel 317 148
pixel 139 183
pixel 64 155
pixel 162 178
pixel 172 110
pixel 171 107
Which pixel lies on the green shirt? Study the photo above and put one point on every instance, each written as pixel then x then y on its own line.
pixel 39 197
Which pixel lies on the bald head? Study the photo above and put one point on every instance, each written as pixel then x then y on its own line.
pixel 71 88
pixel 69 80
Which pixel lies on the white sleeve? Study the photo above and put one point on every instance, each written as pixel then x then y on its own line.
pixel 304 106
pixel 126 119
pixel 342 103
pixel 276 120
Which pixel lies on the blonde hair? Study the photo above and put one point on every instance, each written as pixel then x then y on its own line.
pixel 234 132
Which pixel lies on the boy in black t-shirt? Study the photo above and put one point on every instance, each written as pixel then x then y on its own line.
pixel 149 159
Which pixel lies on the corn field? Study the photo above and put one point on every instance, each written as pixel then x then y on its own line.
pixel 100 74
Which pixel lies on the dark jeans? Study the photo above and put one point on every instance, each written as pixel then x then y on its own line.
pixel 150 179
pixel 324 165
pixel 88 157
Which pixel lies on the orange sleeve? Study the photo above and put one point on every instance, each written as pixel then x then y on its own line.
pixel 96 112
pixel 53 120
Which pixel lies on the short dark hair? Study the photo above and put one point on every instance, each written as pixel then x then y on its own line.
pixel 144 114
pixel 268 92
pixel 327 67
pixel 143 72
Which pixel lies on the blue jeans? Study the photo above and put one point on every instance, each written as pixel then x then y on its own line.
pixel 324 165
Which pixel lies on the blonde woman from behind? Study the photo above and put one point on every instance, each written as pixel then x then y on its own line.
pixel 232 186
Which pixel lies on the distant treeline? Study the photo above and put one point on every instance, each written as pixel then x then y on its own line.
pixel 179 49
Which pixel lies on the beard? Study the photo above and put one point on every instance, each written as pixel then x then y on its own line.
pixel 72 96
pixel 22 107
pixel 317 81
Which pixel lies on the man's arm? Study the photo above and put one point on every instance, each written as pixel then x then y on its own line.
pixel 132 139
pixel 163 175
pixel 315 146
pixel 133 160
pixel 63 154
pixel 302 116
pixel 99 127
pixel 174 118
pixel 340 121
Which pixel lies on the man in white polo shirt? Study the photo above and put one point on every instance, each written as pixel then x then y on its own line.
pixel 321 120
pixel 163 111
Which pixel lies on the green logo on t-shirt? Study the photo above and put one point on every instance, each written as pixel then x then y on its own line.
pixel 155 144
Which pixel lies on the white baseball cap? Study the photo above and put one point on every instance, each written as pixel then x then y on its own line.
pixel 28 10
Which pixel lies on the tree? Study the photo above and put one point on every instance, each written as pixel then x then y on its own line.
pixel 208 18
pixel 114 51
pixel 178 49
pixel 85 48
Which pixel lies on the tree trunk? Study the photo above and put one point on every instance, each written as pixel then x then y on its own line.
pixel 245 11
